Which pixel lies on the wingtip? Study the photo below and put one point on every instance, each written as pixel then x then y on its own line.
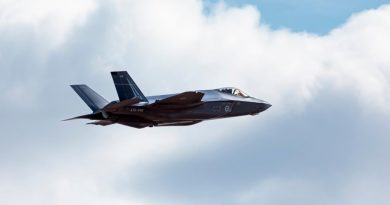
pixel 67 119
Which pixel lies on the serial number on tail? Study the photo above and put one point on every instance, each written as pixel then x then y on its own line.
pixel 136 109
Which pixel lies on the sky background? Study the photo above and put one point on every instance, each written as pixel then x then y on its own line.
pixel 316 16
pixel 323 65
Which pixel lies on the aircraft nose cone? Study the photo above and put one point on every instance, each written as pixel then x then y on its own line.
pixel 261 107
pixel 266 106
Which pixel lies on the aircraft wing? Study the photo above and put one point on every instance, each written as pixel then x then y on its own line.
pixel 116 106
pixel 186 98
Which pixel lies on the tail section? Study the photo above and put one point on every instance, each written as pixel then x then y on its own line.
pixel 126 87
pixel 90 97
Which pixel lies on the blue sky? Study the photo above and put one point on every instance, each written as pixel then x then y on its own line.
pixel 315 16
pixel 324 141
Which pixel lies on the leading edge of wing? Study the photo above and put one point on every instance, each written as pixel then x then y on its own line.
pixel 189 97
pixel 115 106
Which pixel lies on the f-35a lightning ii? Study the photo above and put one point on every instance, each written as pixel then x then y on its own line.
pixel 135 110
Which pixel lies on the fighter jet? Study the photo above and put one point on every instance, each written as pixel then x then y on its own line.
pixel 187 108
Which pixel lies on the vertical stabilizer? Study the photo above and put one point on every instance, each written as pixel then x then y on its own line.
pixel 90 97
pixel 126 87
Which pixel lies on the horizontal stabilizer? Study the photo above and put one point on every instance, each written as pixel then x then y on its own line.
pixel 93 116
pixel 122 104
pixel 190 97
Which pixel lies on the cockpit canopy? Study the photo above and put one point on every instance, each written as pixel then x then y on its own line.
pixel 233 91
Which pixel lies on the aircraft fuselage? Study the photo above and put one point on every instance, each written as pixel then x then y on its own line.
pixel 135 110
pixel 216 105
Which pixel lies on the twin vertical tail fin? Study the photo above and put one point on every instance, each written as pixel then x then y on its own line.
pixel 126 87
pixel 90 97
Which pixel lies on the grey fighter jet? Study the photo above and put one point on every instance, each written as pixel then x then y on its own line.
pixel 135 110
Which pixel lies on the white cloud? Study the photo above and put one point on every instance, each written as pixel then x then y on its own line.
pixel 229 46
pixel 358 190
pixel 48 17
pixel 282 191
pixel 30 32
pixel 169 45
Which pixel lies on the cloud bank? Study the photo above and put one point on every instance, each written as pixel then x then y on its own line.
pixel 324 140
